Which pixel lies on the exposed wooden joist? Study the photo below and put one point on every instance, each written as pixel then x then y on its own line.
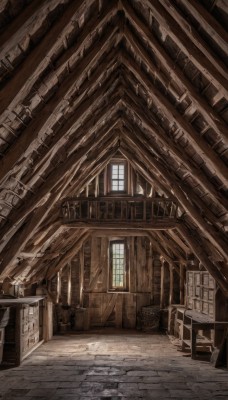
pixel 175 73
pixel 25 140
pixel 212 73
pixel 203 257
pixel 200 145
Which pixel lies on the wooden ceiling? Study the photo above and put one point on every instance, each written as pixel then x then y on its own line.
pixel 81 80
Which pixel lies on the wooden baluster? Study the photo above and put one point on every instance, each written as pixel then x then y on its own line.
pixel 113 209
pixel 89 210
pixel 121 210
pixel 171 210
pixel 152 210
pixel 68 210
pixel 144 210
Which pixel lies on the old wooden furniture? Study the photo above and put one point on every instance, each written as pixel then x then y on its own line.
pixel 24 330
pixel 201 327
pixel 197 331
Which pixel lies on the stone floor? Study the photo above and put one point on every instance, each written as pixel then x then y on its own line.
pixel 112 366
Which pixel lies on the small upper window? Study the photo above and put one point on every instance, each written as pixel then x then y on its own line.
pixel 118 177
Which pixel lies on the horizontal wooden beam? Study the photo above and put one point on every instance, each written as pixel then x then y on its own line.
pixel 156 225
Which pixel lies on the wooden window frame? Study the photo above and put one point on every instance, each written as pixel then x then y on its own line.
pixel 110 191
pixel 125 287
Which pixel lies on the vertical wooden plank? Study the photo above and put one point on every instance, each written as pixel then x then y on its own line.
pixel 144 210
pixel 105 181
pixel 58 293
pixel 119 311
pixel 170 285
pixel 182 281
pixel 150 268
pixel 18 335
pixel 96 186
pixel 81 258
pixel 129 311
pixel 162 293
pixel 95 248
pixel 132 261
pixel 69 284
pixel 104 262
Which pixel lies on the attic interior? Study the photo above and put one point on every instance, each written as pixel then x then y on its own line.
pixel 113 171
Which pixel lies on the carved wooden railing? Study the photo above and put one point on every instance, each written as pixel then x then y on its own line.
pixel 122 211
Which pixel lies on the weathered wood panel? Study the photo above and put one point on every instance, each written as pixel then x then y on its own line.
pixel 90 282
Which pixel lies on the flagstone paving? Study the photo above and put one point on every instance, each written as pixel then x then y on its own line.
pixel 114 366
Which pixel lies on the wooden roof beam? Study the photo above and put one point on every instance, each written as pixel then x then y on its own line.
pixel 187 189
pixel 179 241
pixel 199 144
pixel 18 242
pixel 161 251
pixel 198 250
pixel 207 22
pixel 23 81
pixel 67 257
pixel 51 182
pixel 74 122
pixel 204 65
pixel 208 230
pixel 172 245
pixel 166 142
pixel 42 269
pixel 195 37
pixel 27 137
pixel 175 73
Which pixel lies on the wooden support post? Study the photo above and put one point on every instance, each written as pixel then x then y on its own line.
pixel 69 285
pixel 96 186
pixel 58 293
pixel 170 284
pixel 193 343
pixel 105 180
pixel 162 293
pixel 182 282
pixel 81 257
pixel 151 271
pixel 18 336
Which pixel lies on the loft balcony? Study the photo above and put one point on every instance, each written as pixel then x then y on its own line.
pixel 120 212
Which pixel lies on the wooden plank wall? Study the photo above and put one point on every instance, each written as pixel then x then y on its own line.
pixel 91 290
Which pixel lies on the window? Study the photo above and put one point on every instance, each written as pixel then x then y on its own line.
pixel 118 177
pixel 118 269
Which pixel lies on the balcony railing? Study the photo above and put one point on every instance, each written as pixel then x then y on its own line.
pixel 119 211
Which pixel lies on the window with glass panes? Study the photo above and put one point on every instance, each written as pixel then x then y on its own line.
pixel 118 177
pixel 118 264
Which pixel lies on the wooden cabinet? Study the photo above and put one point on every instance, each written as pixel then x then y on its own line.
pixel 202 325
pixel 24 330
pixel 201 292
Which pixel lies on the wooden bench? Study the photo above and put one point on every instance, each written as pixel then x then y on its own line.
pixel 200 321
